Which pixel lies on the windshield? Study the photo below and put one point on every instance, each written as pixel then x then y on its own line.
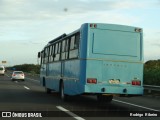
pixel 18 72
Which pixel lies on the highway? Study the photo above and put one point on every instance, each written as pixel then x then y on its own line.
pixel 29 96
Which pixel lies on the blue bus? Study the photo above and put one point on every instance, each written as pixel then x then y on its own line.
pixel 96 59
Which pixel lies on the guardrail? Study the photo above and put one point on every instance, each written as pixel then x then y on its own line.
pixel 151 88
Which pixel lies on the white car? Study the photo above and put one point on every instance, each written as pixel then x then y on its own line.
pixel 18 75
pixel 2 70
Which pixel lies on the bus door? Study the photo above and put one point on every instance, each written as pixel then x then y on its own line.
pixel 47 69
pixel 43 69
pixel 43 65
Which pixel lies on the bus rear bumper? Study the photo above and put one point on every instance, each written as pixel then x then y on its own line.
pixel 121 90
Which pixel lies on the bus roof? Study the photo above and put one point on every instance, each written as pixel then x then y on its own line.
pixel 58 38
pixel 61 37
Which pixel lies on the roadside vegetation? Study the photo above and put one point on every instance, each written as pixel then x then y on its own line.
pixel 152 72
pixel 29 68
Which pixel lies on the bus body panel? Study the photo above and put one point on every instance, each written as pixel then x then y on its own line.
pixel 106 72
pixel 54 75
pixel 71 77
pixel 114 53
pixel 119 90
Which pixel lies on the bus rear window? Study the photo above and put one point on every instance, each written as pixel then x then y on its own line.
pixel 112 42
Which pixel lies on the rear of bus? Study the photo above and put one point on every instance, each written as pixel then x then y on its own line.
pixel 114 59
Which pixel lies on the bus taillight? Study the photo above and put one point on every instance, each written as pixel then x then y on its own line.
pixel 135 82
pixel 92 80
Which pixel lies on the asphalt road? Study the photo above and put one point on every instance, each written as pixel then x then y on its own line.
pixel 22 98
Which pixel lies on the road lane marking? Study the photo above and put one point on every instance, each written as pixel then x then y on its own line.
pixel 26 87
pixel 70 113
pixel 136 105
pixel 7 75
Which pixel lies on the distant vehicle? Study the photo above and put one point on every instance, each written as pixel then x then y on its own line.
pixel 18 75
pixel 96 59
pixel 2 70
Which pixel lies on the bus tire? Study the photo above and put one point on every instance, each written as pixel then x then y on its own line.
pixel 47 90
pixel 62 95
pixel 104 98
pixel 44 82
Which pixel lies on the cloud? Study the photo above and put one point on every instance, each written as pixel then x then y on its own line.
pixel 19 52
pixel 156 44
pixel 30 24
pixel 52 9
pixel 37 16
pixel 40 19
pixel 129 4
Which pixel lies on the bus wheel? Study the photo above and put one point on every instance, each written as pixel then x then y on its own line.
pixel 47 90
pixel 62 95
pixel 104 98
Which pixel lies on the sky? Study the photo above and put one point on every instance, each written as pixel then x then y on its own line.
pixel 26 26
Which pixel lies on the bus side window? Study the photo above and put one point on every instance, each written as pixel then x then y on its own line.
pixel 63 50
pixel 53 53
pixel 77 40
pixel 56 49
pixel 46 55
pixel 73 51
pixel 67 48
pixel 57 52
pixel 72 41
pixel 42 57
pixel 50 53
